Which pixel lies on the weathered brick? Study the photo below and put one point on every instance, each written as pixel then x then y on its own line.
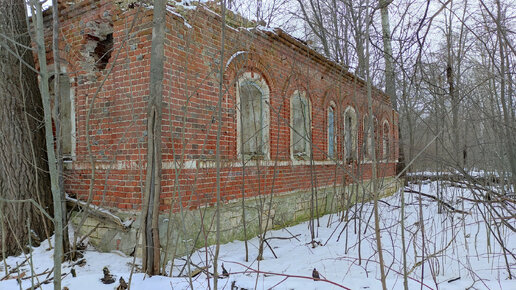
pixel 192 58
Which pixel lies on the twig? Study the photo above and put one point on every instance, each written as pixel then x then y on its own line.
pixel 88 234
pixel 98 212
pixel 274 286
pixel 388 204
pixel 48 280
pixel 36 275
pixel 454 279
pixel 283 238
pixel 14 269
pixel 268 245
pixel 392 269
pixel 430 256
pixel 286 275
pixel 295 236
pixel 195 265
pixel 453 209
pixel 78 262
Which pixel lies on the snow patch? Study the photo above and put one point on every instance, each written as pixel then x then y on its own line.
pixel 456 249
pixel 265 28
pixel 173 11
pixel 233 57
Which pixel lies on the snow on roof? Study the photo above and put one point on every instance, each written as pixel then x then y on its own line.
pixel 173 11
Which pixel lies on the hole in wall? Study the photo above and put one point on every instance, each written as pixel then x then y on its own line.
pixel 102 51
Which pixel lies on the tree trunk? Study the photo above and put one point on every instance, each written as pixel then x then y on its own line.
pixel 49 139
pixel 150 230
pixel 390 80
pixel 57 122
pixel 374 168
pixel 217 157
pixel 506 113
pixel 390 77
pixel 23 164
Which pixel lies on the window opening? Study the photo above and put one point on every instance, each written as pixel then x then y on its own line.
pixel 300 127
pixel 386 145
pixel 331 132
pixel 252 119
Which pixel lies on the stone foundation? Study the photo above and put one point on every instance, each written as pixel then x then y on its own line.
pixel 287 209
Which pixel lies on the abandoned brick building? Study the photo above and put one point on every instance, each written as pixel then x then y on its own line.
pixel 292 120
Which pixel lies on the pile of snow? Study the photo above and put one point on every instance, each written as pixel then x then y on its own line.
pixel 457 244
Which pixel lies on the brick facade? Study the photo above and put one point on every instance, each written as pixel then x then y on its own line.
pixel 110 104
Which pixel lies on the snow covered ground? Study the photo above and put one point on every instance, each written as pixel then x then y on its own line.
pixel 463 253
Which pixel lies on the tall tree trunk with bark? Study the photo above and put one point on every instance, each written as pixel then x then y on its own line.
pixel 23 163
pixel 150 230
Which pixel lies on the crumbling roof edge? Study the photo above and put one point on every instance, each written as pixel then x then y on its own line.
pixel 320 58
pixel 278 33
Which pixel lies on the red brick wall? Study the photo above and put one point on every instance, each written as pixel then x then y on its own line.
pixel 115 99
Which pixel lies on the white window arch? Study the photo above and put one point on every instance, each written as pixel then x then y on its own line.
pixel 300 124
pixel 252 116
pixel 350 134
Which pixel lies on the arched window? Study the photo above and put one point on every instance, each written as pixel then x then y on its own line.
pixel 375 138
pixel 300 119
pixel 370 138
pixel 66 114
pixel 386 138
pixel 350 134
pixel 253 116
pixel 332 140
pixel 367 139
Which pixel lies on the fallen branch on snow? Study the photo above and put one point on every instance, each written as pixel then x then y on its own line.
pixel 284 275
pixel 99 213
pixel 453 209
